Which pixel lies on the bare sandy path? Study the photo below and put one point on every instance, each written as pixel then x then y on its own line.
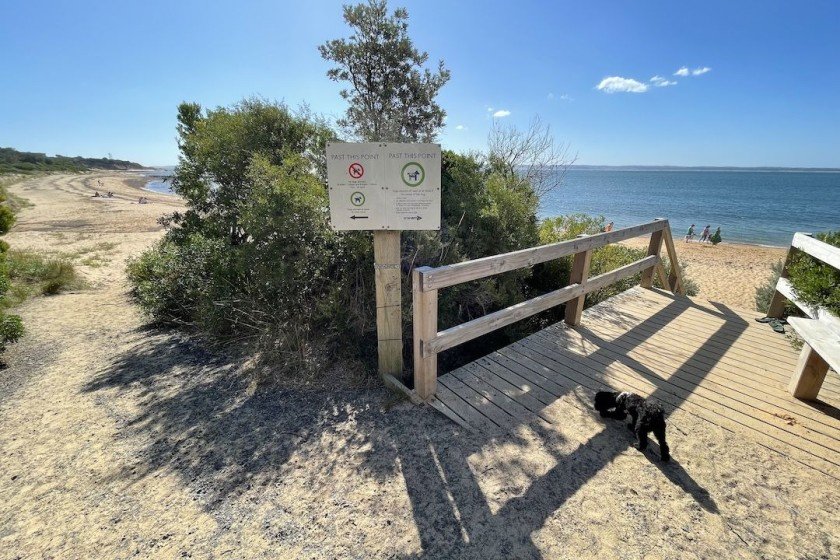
pixel 119 441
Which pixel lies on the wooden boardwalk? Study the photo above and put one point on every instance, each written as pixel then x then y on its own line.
pixel 703 358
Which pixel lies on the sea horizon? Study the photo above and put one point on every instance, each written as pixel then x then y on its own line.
pixel 752 206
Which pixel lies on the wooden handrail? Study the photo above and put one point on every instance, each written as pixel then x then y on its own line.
pixel 428 342
pixel 829 254
pixel 488 323
pixel 450 275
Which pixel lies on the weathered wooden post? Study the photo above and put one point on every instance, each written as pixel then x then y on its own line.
pixel 388 280
pixel 425 306
pixel 580 272
pixel 654 248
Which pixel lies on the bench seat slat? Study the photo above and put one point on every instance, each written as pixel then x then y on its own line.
pixel 821 337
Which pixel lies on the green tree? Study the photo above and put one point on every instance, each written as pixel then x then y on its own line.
pixel 217 147
pixel 391 95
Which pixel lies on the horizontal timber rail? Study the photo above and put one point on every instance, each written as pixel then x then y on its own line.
pixel 428 342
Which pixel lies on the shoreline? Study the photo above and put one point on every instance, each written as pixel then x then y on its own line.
pixel 728 273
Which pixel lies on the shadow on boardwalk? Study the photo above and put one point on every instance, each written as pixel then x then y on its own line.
pixel 201 420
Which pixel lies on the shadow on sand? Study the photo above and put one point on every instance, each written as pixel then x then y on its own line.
pixel 201 419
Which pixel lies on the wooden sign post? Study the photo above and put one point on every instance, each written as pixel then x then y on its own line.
pixel 385 188
pixel 386 258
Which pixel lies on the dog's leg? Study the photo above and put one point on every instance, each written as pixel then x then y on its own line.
pixel 659 432
pixel 642 437
pixel 633 417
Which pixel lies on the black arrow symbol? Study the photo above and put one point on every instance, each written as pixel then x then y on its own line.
pixel 358 217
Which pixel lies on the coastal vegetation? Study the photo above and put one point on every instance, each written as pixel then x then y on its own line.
pixel 816 283
pixel 26 163
pixel 253 259
pixel 25 274
pixel 11 326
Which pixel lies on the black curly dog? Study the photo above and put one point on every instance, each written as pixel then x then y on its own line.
pixel 645 416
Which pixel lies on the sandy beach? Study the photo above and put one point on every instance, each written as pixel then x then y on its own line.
pixel 728 272
pixel 120 440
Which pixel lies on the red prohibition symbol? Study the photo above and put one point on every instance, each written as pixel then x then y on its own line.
pixel 356 170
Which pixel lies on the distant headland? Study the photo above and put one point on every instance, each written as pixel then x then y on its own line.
pixel 13 161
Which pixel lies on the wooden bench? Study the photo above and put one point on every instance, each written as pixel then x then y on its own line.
pixel 820 350
pixel 820 332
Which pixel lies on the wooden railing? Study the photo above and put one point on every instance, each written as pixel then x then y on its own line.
pixel 428 342
pixel 830 255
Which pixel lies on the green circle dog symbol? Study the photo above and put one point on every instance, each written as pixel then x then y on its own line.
pixel 413 174
pixel 357 199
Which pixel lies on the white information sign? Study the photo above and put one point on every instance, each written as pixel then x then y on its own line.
pixel 384 186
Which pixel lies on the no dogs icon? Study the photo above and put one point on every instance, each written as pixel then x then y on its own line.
pixel 356 170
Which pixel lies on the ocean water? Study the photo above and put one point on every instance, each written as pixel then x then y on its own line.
pixel 158 180
pixel 760 207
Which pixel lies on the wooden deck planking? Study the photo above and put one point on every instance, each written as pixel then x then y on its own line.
pixel 707 360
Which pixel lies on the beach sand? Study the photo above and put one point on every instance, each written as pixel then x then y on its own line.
pixel 728 272
pixel 122 440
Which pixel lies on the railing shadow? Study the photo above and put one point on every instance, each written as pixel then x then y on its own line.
pixel 472 530
pixel 201 419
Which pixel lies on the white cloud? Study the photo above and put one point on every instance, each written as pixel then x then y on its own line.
pixel 489 109
pixel 566 97
pixel 501 113
pixel 615 84
pixel 659 81
pixel 460 127
pixel 699 71
pixel 550 96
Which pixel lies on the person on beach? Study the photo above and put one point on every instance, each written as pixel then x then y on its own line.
pixel 716 238
pixel 609 227
pixel 704 235
pixel 96 194
pixel 690 235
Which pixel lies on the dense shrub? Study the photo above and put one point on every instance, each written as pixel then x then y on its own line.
pixel 11 326
pixel 817 284
pixel 604 259
pixel 7 217
pixel 253 258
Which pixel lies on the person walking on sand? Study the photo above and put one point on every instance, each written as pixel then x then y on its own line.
pixel 704 235
pixel 690 235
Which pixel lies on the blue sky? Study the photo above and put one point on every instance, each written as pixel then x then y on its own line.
pixel 92 78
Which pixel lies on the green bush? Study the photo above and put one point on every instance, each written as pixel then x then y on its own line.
pixel 604 259
pixel 11 326
pixel 254 258
pixel 816 284
pixel 7 218
pixel 11 329
pixel 34 274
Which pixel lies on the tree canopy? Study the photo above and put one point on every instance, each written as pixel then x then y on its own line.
pixel 391 94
